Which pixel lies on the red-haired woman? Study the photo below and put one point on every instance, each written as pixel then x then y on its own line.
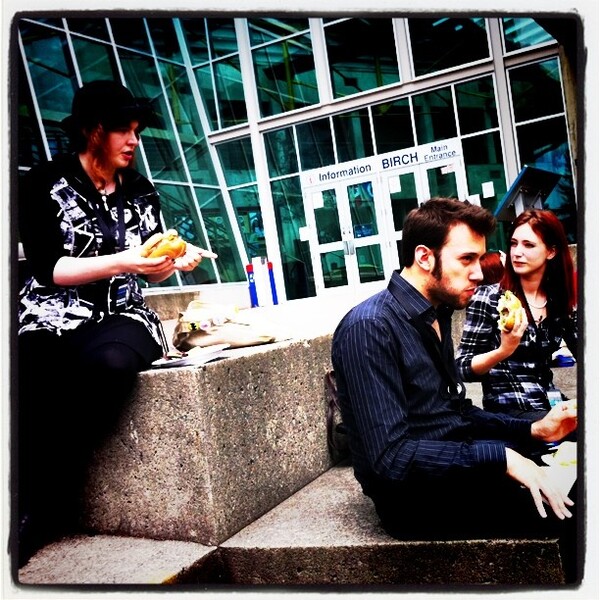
pixel 514 367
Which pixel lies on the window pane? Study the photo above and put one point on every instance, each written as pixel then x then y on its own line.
pixel 220 234
pixel 247 208
pixel 95 28
pixel 476 105
pixel 393 126
pixel 484 164
pixel 268 30
pixel 442 183
pixel 443 43
pixel 327 219
pixel 222 37
pixel 353 135
pixel 281 153
pixel 237 161
pixel 536 90
pixel 362 209
pixel 404 199
pixel 177 204
pixel 285 76
pixel 204 78
pixel 96 61
pixel 187 122
pixel 362 55
pixel 370 263
pixel 164 39
pixel 30 146
pixel 160 147
pixel 434 116
pixel 295 254
pixel 545 145
pixel 230 91
pixel 523 33
pixel 315 144
pixel 195 36
pixel 51 70
pixel 335 273
pixel 130 33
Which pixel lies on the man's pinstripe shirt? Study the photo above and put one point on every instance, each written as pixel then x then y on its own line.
pixel 403 424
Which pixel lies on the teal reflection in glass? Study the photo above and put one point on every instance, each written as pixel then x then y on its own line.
pixel 370 263
pixel 484 165
pixel 353 135
pixel 315 144
pixel 30 146
pixel 222 38
pixel 247 209
pixel 220 233
pixel 403 196
pixel 237 161
pixel 442 182
pixel 443 43
pixel 187 122
pixel 179 212
pixel 392 124
pixel 268 30
pixel 164 39
pixel 362 209
pixel 327 218
pixel 231 102
pixel 160 147
pixel 130 33
pixel 476 104
pixel 285 76
pixel 281 152
pixel 295 253
pixel 335 273
pixel 545 145
pixel 536 90
pixel 204 78
pixel 51 70
pixel 95 28
pixel 362 55
pixel 434 116
pixel 523 33
pixel 194 32
pixel 96 61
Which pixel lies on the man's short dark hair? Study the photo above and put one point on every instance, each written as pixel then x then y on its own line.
pixel 430 223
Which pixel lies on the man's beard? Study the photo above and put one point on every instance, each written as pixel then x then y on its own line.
pixel 439 293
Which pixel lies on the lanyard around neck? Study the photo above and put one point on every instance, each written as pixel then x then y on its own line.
pixel 105 221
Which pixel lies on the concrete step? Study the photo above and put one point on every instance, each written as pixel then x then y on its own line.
pixel 325 534
pixel 102 559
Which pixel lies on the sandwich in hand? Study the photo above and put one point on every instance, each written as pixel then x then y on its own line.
pixel 164 244
pixel 508 307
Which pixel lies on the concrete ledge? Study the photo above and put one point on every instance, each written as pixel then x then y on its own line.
pixel 201 452
pixel 87 560
pixel 329 533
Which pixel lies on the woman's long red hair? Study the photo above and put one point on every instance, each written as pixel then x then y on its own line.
pixel 559 278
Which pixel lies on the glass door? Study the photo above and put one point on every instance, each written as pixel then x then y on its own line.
pixel 344 224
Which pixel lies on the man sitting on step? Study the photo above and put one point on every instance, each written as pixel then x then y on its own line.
pixel 435 466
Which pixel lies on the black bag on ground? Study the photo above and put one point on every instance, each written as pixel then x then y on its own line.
pixel 337 441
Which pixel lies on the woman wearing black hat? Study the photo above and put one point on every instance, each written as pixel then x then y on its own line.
pixel 84 330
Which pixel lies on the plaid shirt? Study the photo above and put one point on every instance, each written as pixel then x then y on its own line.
pixel 522 380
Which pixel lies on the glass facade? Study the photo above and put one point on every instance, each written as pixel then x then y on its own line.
pixel 246 108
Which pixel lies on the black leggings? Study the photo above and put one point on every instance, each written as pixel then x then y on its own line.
pixel 72 389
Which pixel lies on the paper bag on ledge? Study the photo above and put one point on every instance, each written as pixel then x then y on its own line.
pixel 204 324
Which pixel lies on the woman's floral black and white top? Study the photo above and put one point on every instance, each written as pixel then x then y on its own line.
pixel 59 212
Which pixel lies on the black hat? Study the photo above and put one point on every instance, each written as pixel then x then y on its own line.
pixel 107 103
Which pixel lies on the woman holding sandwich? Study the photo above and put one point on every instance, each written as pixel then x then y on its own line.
pixel 513 363
pixel 84 330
